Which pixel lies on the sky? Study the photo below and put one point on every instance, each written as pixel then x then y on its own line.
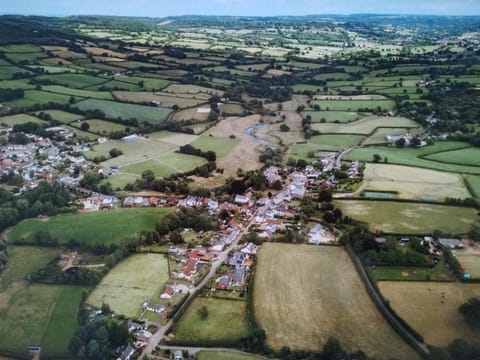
pixel 163 8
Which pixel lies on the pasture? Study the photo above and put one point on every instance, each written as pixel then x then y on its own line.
pixel 354 105
pixel 409 218
pixel 191 89
pixel 327 142
pixel 333 116
pixel 470 261
pixel 6 72
pixel 63 116
pixel 20 119
pixel 33 313
pixel 36 97
pixel 378 137
pixel 135 280
pixel 227 355
pixel 473 183
pixel 149 114
pixel 221 146
pixel 198 114
pixel 431 308
pixel 102 227
pixel 226 322
pixel 163 99
pixel 305 294
pixel 76 81
pixel 99 126
pixel 467 156
pixel 414 183
pixel 58 89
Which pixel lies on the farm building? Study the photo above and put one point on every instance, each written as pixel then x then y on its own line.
pixel 451 243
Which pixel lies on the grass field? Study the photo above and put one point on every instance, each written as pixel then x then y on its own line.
pixel 227 355
pixel 105 227
pixel 150 114
pixel 378 137
pixel 221 146
pixel 409 218
pixel 20 119
pixel 76 81
pixel 366 125
pixel 226 321
pixel 354 105
pixel 129 284
pixel 327 142
pixel 432 308
pixel 36 97
pixel 63 116
pixel 99 126
pixel 474 185
pixel 470 262
pixel 413 156
pixel 163 99
pixel 15 84
pixel 414 183
pixel 468 156
pixel 333 116
pixel 305 294
pixel 35 314
pixel 58 89
pixel 411 273
pixel 6 72
pixel 198 114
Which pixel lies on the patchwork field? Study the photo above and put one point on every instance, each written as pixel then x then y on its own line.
pixel 409 218
pixel 35 314
pixel 104 227
pixel 129 284
pixel 163 99
pixel 414 183
pixel 432 308
pixel 366 125
pixel 226 321
pixel 305 294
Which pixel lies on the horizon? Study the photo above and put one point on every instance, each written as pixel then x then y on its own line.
pixel 252 8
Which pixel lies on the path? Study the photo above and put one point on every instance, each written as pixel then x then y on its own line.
pixel 338 160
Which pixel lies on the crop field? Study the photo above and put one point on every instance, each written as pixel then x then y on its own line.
pixel 163 99
pixel 366 125
pixel 35 314
pixel 35 97
pixel 226 321
pixel 414 156
pixel 77 92
pixel 414 183
pixel 467 156
pixel 378 137
pixel 333 116
pixel 221 146
pixel 103 227
pixel 99 126
pixel 20 119
pixel 431 308
pixel 130 283
pixel 76 81
pixel 474 185
pixel 227 355
pixel 354 105
pixel 150 114
pixel 335 302
pixel 409 218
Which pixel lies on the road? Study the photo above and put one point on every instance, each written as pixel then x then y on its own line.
pixel 338 160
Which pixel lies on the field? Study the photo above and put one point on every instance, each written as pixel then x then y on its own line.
pixel 198 114
pixel 36 97
pixel 409 218
pixel 35 314
pixel 378 137
pixel 105 227
pixel 224 355
pixel 470 261
pixel 354 105
pixel 58 89
pixel 149 114
pixel 163 99
pixel 366 125
pixel 468 156
pixel 474 185
pixel 221 146
pixel 129 284
pixel 411 273
pixel 20 119
pixel 99 126
pixel 305 294
pixel 226 321
pixel 333 116
pixel 327 142
pixel 432 308
pixel 63 116
pixel 414 183
pixel 76 81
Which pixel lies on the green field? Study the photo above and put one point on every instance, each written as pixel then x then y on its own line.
pixel 78 92
pixel 6 72
pixel 148 83
pixel 104 227
pixel 353 105
pixel 468 156
pixel 378 137
pixel 413 156
pixel 149 114
pixel 411 273
pixel 25 57
pixel 226 322
pixel 36 97
pixel 135 280
pixel 35 314
pixel 474 185
pixel 15 84
pixel 76 81
pixel 227 355
pixel 333 116
pixel 221 146
pixel 63 116
pixel 99 126
pixel 365 125
pixel 409 218
pixel 20 119
pixel 327 142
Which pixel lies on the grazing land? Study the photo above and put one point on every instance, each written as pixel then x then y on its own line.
pixel 335 302
pixel 63 116
pixel 325 142
pixel 221 146
pixel 414 183
pixel 354 105
pixel 36 97
pixel 474 185
pixel 409 218
pixel 135 280
pixel 226 322
pixel 107 227
pixel 432 308
pixel 333 116
pixel 366 125
pixel 379 136
pixel 20 119
pixel 227 355
pixel 467 156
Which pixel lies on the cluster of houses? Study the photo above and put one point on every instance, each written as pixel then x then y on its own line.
pixel 240 261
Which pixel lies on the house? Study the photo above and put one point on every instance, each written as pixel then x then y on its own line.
pixel 451 243
pixel 250 249
pixel 190 269
pixel 231 278
pixel 157 308
pixel 316 235
pixel 177 355
pixel 168 292
pixel 241 199
pixel 271 175
pixel 127 353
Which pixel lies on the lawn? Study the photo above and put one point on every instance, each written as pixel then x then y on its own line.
pixel 20 119
pixel 353 105
pixel 226 322
pixel 333 116
pixel 129 284
pixel 63 116
pixel 227 355
pixel 365 125
pixel 36 97
pixel 35 314
pixel 149 114
pixel 414 183
pixel 467 156
pixel 432 308
pixel 105 227
pixel 305 294
pixel 76 81
pixel 474 185
pixel 221 146
pixel 409 218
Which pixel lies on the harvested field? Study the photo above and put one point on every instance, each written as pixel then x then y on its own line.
pixel 409 218
pixel 135 280
pixel 414 183
pixel 366 125
pixel 431 308
pixel 305 294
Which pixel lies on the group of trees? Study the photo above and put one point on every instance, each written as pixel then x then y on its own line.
pixel 191 150
pixel 11 94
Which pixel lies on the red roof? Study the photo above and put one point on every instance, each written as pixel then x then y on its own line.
pixel 190 267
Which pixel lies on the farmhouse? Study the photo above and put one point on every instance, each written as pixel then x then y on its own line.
pixel 157 308
pixel 168 292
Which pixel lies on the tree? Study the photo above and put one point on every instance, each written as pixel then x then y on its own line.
pixel 203 312
pixel 471 311
pixel 400 142
pixel 85 126
pixel 325 196
pixel 376 158
pixel 176 237
pixel 284 128
pixel 115 152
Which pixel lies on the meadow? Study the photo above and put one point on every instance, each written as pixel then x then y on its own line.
pixel 58 89
pixel 431 308
pixel 326 142
pixel 76 81
pixel 365 125
pixel 467 156
pixel 221 146
pixel 469 260
pixel 135 280
pixel 333 116
pixel 163 99
pixel 63 116
pixel 20 119
pixel 149 114
pixel 99 126
pixel 409 218
pixel 37 97
pixel 226 322
pixel 378 137
pixel 473 183
pixel 34 313
pixel 227 355
pixel 305 294
pixel 353 105
pixel 103 227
